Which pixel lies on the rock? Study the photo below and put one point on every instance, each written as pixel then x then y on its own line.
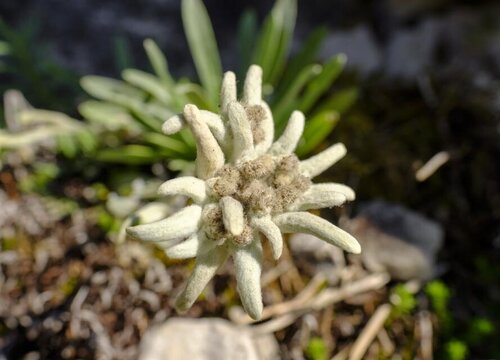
pixel 358 44
pixel 397 240
pixel 411 52
pixel 310 244
pixel 205 339
pixel 405 9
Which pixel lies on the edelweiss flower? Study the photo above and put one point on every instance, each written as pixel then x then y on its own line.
pixel 246 186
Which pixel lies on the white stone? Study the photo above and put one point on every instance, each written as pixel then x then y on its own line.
pixel 205 339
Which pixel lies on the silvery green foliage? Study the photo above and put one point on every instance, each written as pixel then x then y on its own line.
pixel 247 187
pixel 27 126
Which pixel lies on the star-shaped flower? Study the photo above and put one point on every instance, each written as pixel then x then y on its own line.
pixel 246 188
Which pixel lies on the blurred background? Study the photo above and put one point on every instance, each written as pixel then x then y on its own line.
pixel 417 104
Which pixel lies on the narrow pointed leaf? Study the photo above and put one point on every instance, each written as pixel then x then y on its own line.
pixel 203 46
pixel 316 130
pixel 321 83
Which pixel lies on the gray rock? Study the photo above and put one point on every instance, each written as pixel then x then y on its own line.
pixel 410 53
pixel 358 44
pixel 397 240
pixel 310 244
pixel 408 8
pixel 205 339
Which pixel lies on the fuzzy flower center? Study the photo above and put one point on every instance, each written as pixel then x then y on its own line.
pixel 266 185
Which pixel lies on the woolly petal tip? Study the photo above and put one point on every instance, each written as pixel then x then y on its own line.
pixel 228 90
pixel 273 234
pixel 204 270
pixel 241 129
pixel 267 124
pixel 323 195
pixel 304 222
pixel 186 249
pixel 322 161
pixel 288 141
pixel 248 267
pixel 252 89
pixel 209 155
pixel 173 125
pixel 187 186
pixel 181 224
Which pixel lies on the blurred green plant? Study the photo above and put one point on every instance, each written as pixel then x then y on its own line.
pixel 140 102
pixel 403 301
pixel 28 129
pixel 456 350
pixel 316 349
pixel 439 296
pixel 124 118
pixel 457 336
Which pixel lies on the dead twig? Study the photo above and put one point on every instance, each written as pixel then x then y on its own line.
pixel 289 311
pixel 371 329
pixel 425 327
pixel 385 342
pixel 432 165
pixel 275 273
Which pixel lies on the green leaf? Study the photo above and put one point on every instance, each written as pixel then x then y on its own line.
pixel 316 349
pixel 112 117
pixel 5 48
pixel 148 115
pixel 201 40
pixel 321 83
pixel 456 350
pixel 247 30
pixel 403 300
pixel 340 101
pixel 67 145
pixel 196 95
pixel 115 91
pixel 288 101
pixel 87 141
pixel 130 154
pixel 316 130
pixel 123 54
pixel 306 56
pixel 158 62
pixel 176 147
pixel 160 67
pixel 149 83
pixel 275 39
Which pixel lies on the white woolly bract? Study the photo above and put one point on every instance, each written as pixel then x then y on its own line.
pixel 252 89
pixel 228 91
pixel 186 249
pixel 209 155
pixel 267 126
pixel 204 270
pixel 318 163
pixel 241 130
pixel 288 141
pixel 186 185
pixel 248 267
pixel 304 222
pixel 181 224
pixel 269 229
